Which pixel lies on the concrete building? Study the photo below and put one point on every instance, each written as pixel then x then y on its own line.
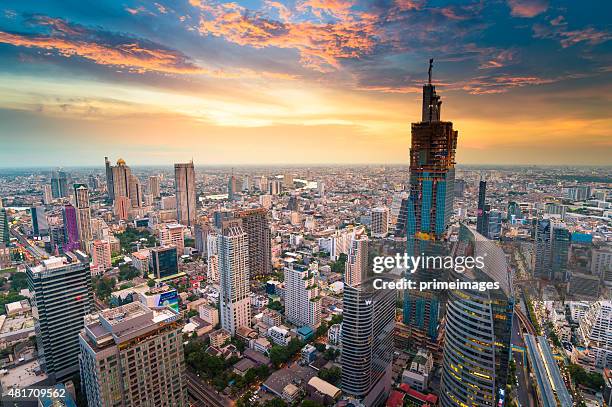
pixel 133 356
pixel 234 301
pixel 209 314
pixel 302 299
pixel 357 261
pixel 81 201
pixel 100 256
pixel 380 222
pixel 173 234
pixel 61 297
pixel 184 182
pixel 154 186
pixel 255 224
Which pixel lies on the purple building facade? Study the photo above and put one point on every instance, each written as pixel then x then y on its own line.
pixel 71 229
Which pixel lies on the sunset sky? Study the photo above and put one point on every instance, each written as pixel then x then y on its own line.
pixel 306 81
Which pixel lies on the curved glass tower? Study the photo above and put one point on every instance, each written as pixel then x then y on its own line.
pixel 477 343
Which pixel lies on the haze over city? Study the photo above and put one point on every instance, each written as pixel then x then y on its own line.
pixel 327 81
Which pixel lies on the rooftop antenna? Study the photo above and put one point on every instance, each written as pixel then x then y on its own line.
pixel 430 67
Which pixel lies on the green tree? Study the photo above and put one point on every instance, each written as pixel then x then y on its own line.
pixel 331 375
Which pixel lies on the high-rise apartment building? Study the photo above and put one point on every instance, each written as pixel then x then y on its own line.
pixel 595 333
pixel 429 207
pixel 132 355
pixel 100 256
pixel 255 224
pixel 184 181
pixel 154 186
pixel 71 228
pixel 5 237
pixel 302 299
pixel 234 301
pixel 357 260
pixel 478 328
pixel 380 222
pixel 121 179
pixel 61 297
pixel 81 200
pixel 367 343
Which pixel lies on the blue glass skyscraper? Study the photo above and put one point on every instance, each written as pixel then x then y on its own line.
pixel 430 204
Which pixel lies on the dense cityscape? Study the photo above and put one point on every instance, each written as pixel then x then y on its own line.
pixel 250 286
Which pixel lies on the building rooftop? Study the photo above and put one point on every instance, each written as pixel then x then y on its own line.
pixel 27 374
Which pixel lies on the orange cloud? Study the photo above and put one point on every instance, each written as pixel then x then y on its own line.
pixel 321 45
pixel 527 8
pixel 131 56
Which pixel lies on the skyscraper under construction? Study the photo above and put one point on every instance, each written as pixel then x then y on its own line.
pixel 429 206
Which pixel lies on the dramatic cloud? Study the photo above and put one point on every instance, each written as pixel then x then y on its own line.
pixel 102 47
pixel 320 45
pixel 527 8
pixel 558 31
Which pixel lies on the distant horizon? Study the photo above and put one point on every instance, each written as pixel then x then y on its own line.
pixel 303 165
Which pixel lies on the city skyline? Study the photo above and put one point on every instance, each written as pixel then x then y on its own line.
pixel 314 82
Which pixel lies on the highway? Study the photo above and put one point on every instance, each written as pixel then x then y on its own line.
pixel 201 394
pixel 37 252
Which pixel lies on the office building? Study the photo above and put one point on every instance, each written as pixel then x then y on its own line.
pixel 275 186
pixel 430 204
pixel 234 301
pixel 135 192
pixel 494 225
pixel 184 182
pixel 71 228
pixel 380 222
pixel 61 297
pixel 121 179
pixel 132 355
pixel 601 261
pixel 477 344
pixel 256 225
pixel 542 258
pixel 173 234
pixel 561 239
pixel 108 170
pixel 367 343
pixel 40 225
pixel 302 299
pixel 81 199
pixel 154 186
pixel 59 184
pixel 481 215
pixel 357 260
pixel 164 262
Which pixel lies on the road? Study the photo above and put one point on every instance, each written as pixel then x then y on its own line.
pixel 37 252
pixel 201 394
